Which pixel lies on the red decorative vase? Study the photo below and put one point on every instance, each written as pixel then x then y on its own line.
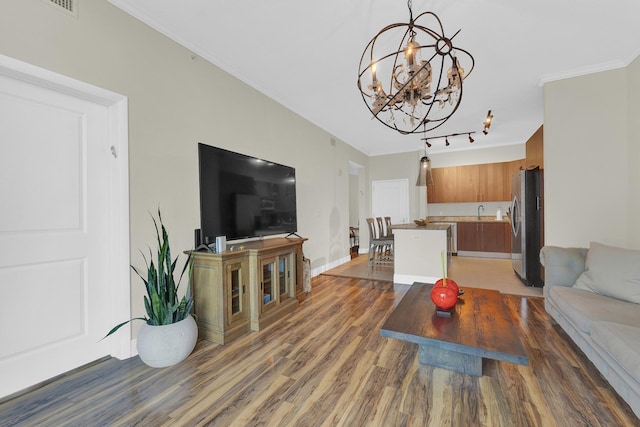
pixel 445 298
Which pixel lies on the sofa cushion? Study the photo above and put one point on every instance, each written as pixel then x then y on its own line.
pixel 610 271
pixel 621 342
pixel 583 307
pixel 562 266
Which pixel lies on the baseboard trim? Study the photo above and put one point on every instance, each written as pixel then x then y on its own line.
pixel 319 270
pixel 134 347
pixel 409 279
pixel 475 254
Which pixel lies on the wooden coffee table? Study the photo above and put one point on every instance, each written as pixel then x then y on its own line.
pixel 479 328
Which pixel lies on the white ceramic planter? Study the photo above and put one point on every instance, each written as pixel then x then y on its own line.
pixel 166 345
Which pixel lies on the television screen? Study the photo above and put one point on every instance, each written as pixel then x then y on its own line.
pixel 242 196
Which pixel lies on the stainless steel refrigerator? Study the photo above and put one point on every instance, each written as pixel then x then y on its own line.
pixel 526 223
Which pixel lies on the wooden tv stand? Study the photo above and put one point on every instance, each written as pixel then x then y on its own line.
pixel 247 287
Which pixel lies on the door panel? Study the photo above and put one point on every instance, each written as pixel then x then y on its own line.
pixel 54 251
pixel 391 198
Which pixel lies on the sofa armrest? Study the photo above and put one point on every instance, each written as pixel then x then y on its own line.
pixel 562 266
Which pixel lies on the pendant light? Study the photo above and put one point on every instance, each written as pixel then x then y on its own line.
pixel 425 177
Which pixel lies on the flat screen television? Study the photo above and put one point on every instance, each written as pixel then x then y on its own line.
pixel 243 196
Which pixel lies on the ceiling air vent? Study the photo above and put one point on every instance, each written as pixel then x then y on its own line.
pixel 68 6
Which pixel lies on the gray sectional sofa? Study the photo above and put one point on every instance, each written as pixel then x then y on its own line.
pixel 594 295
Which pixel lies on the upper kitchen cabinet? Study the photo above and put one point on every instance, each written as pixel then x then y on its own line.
pixel 534 155
pixel 490 182
pixel 444 188
pixel 511 169
pixel 468 183
pixel 493 185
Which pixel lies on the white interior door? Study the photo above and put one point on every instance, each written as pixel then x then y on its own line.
pixel 391 198
pixel 56 278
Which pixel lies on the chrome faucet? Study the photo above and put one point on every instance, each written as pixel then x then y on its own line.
pixel 480 207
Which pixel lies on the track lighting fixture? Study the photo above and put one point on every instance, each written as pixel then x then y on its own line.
pixel 446 138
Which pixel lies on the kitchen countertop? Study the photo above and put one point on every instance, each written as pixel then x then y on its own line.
pixel 414 226
pixel 432 219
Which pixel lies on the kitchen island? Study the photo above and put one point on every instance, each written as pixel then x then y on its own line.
pixel 484 236
pixel 417 252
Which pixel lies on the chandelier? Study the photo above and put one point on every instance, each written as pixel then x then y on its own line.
pixel 410 76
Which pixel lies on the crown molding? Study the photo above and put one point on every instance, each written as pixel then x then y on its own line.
pixel 591 69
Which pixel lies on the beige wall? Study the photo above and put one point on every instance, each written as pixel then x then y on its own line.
pixel 354 207
pixel 633 75
pixel 174 103
pixel 590 156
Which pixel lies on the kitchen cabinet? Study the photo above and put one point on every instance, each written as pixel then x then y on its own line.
pixel 511 169
pixel 483 182
pixel 489 182
pixel 468 183
pixel 468 236
pixel 493 237
pixel 507 237
pixel 484 237
pixel 534 149
pixel 444 186
pixel 493 185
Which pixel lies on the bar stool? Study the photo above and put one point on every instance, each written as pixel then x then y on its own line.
pixel 380 247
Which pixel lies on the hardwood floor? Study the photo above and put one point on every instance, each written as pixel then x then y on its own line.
pixel 326 364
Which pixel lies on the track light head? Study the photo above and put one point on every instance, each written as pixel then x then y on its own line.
pixel 487 121
pixel 471 139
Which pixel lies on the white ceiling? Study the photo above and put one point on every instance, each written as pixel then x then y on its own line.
pixel 305 55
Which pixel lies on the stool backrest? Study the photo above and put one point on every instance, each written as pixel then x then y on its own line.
pixel 372 229
pixel 387 221
pixel 381 232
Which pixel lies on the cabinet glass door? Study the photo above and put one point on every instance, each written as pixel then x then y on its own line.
pixel 235 284
pixel 235 290
pixel 268 282
pixel 283 277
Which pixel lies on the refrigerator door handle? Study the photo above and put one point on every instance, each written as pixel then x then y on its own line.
pixel 515 216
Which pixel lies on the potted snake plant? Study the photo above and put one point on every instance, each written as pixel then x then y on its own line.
pixel 169 334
